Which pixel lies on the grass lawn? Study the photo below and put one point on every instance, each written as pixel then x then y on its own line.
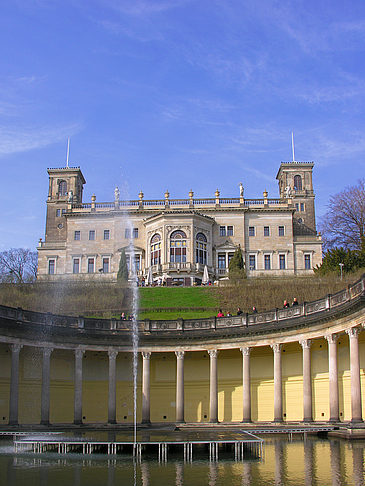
pixel 179 297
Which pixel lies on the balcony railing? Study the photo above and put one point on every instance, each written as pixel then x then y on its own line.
pixel 150 204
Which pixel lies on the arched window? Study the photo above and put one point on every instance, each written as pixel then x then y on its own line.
pixel 62 188
pixel 156 249
pixel 178 247
pixel 201 249
pixel 298 183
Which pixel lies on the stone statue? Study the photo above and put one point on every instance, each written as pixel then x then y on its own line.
pixel 116 194
pixel 288 192
pixel 70 196
pixel 241 189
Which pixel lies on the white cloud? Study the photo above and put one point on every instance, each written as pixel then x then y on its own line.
pixel 14 140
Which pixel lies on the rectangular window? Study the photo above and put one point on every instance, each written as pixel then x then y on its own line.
pixel 58 213
pixel 51 267
pixel 297 206
pixel 282 262
pixel 251 231
pixel 267 260
pixel 135 232
pixel 221 260
pixel 302 206
pixel 266 231
pixel 76 265
pixel 307 262
pixel 127 234
pixel 106 234
pixel 63 211
pixel 92 235
pixel 137 262
pixel 222 231
pixel 281 230
pixel 252 262
pixel 105 265
pixel 229 230
pixel 90 265
pixel 77 236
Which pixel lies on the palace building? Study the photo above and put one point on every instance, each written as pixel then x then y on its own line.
pixel 175 239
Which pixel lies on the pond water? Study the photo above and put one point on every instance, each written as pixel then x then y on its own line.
pixel 312 461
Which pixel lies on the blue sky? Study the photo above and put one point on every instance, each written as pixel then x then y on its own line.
pixel 177 95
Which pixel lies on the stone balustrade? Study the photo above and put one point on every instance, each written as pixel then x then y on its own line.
pixel 292 316
pixel 148 204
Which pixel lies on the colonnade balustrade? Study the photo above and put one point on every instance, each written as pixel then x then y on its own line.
pixel 356 400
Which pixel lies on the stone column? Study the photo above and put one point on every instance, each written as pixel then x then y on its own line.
pixel 112 414
pixel 307 381
pixel 146 405
pixel 333 377
pixel 246 385
pixel 79 353
pixel 180 386
pixel 45 395
pixel 213 386
pixel 14 384
pixel 278 398
pixel 356 409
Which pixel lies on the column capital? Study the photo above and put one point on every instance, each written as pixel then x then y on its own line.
pixel 146 354
pixel 306 343
pixel 15 348
pixel 353 332
pixel 331 338
pixel 213 353
pixel 276 347
pixel 180 354
pixel 112 353
pixel 79 353
pixel 47 352
pixel 246 350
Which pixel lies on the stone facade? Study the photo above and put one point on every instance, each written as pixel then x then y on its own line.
pixel 174 239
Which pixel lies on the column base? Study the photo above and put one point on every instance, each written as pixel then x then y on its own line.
pixel 44 422
pixel 246 421
pixel 13 422
pixel 356 420
pixel 278 421
pixel 146 422
pixel 112 422
pixel 307 420
pixel 180 422
pixel 213 421
pixel 78 422
pixel 334 419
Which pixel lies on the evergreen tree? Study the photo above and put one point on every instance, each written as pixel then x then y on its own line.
pixel 351 260
pixel 237 266
pixel 123 269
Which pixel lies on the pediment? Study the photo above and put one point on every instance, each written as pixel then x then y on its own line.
pixel 227 245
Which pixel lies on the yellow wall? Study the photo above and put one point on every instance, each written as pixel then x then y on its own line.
pixel 163 387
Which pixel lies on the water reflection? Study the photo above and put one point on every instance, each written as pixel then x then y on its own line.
pixel 310 462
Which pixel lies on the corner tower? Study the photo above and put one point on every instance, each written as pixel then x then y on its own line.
pixel 298 177
pixel 65 187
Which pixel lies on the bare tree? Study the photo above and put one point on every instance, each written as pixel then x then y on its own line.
pixel 344 223
pixel 18 265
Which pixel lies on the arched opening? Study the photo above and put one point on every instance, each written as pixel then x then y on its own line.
pixel 156 249
pixel 62 188
pixel 298 183
pixel 201 249
pixel 178 247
